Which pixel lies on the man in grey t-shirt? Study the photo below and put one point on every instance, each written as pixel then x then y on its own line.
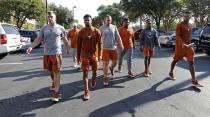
pixel 109 34
pixel 51 36
pixel 148 41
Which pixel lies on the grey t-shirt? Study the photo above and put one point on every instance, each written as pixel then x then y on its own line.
pixel 149 38
pixel 52 38
pixel 109 34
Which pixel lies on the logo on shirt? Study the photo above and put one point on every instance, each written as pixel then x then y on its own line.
pixel 149 34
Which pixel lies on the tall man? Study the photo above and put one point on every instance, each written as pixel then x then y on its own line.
pixel 51 36
pixel 89 43
pixel 127 36
pixel 73 35
pixel 184 48
pixel 109 35
pixel 148 40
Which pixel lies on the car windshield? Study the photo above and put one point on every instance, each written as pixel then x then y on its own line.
pixel 10 29
pixel 206 30
pixel 197 32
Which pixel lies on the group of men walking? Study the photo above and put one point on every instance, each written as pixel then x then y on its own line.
pixel 90 45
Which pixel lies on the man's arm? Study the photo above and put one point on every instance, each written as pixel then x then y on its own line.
pixel 79 46
pixel 157 44
pixel 33 45
pixel 65 41
pixel 141 40
pixel 118 38
pixel 100 45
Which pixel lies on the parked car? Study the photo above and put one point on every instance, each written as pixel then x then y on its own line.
pixel 195 36
pixel 165 40
pixel 30 34
pixel 9 38
pixel 25 43
pixel 204 42
pixel 137 34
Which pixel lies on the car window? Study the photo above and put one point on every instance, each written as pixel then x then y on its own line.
pixel 10 29
pixel 206 30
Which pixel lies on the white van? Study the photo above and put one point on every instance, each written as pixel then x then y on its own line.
pixel 9 38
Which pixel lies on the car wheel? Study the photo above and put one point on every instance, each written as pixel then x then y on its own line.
pixel 3 55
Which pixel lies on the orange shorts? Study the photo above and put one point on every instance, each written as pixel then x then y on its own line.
pixel 93 62
pixel 109 54
pixel 148 52
pixel 53 62
pixel 180 53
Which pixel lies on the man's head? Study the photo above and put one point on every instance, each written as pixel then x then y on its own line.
pixel 108 20
pixel 126 22
pixel 51 16
pixel 75 26
pixel 87 20
pixel 187 16
pixel 148 24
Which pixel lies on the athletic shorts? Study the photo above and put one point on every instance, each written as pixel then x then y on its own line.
pixel 180 53
pixel 148 52
pixel 109 54
pixel 93 62
pixel 53 62
pixel 73 52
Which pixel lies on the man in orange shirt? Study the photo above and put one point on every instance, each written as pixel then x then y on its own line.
pixel 127 36
pixel 184 48
pixel 88 44
pixel 73 35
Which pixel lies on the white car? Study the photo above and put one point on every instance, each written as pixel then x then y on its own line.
pixel 9 38
pixel 166 39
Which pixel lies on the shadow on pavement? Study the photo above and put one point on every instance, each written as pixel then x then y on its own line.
pixel 18 106
pixel 129 104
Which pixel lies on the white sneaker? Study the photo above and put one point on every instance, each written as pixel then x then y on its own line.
pixel 75 65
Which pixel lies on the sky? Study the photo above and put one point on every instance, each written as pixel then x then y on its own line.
pixel 83 6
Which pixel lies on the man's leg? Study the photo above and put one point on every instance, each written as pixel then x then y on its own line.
pixel 52 76
pixel 57 81
pixel 129 54
pixel 105 68
pixel 192 70
pixel 93 82
pixel 57 86
pixel 146 63
pixel 173 64
pixel 85 79
pixel 122 53
pixel 171 74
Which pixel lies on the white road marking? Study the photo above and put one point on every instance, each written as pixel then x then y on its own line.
pixel 11 63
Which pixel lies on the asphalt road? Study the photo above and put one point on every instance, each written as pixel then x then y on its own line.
pixel 24 89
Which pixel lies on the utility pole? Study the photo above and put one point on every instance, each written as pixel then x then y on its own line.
pixel 46 12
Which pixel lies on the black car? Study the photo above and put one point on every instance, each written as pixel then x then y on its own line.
pixel 28 33
pixel 195 37
pixel 204 42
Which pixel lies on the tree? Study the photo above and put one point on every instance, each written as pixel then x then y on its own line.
pixel 114 10
pixel 174 12
pixel 200 9
pixel 64 16
pixel 20 10
pixel 154 9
